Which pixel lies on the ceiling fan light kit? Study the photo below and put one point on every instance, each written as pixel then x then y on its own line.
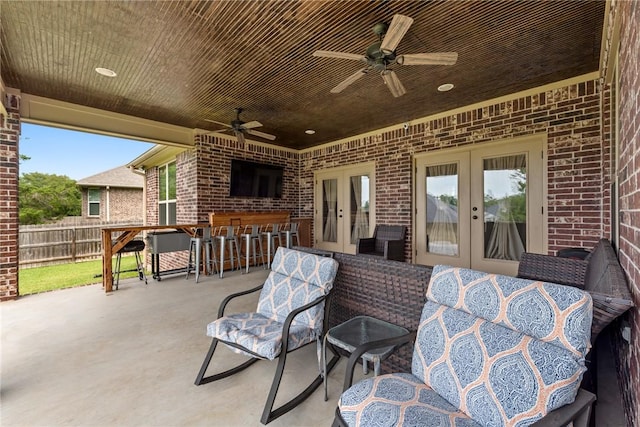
pixel 380 56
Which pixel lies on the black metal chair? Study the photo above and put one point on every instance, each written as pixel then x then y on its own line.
pixel 387 242
pixel 290 315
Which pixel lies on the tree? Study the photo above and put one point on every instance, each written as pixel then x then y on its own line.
pixel 47 197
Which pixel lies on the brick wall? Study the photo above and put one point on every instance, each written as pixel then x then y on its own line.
pixel 578 195
pixel 9 171
pixel 214 157
pixel 151 195
pixel 629 199
pixel 186 189
pixel 124 204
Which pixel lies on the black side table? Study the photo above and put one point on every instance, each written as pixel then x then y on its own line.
pixel 357 331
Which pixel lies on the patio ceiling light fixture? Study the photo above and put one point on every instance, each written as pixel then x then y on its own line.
pixel 106 72
pixel 309 131
pixel 445 87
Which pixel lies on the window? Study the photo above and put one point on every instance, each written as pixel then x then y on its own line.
pixel 93 197
pixel 167 194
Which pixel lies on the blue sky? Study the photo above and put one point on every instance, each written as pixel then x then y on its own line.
pixel 74 154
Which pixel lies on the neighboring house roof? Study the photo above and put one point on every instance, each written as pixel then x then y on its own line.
pixel 121 177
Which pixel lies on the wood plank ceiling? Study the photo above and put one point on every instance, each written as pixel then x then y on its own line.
pixel 182 62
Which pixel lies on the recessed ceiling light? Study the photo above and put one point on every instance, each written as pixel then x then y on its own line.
pixel 309 131
pixel 106 72
pixel 445 87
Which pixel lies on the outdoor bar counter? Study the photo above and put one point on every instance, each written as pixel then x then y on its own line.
pixel 111 246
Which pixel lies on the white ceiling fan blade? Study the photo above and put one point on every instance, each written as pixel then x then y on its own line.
pixel 393 83
pixel 252 124
pixel 210 132
pixel 240 136
pixel 261 134
pixel 218 123
pixel 397 29
pixel 436 58
pixel 341 55
pixel 346 82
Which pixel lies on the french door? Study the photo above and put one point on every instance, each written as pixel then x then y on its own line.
pixel 344 203
pixel 481 208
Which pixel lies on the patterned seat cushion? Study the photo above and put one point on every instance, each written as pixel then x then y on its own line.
pixel 259 334
pixel 398 400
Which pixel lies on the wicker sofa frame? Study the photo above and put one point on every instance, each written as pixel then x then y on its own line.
pixel 600 274
pixel 387 290
pixel 395 291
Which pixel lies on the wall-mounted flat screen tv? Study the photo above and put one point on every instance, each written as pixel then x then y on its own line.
pixel 249 179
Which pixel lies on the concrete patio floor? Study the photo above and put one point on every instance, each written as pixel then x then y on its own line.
pixel 79 357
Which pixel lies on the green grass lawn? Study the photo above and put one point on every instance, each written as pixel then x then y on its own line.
pixel 42 279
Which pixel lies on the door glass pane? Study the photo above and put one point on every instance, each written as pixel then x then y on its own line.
pixel 442 209
pixel 505 206
pixel 329 211
pixel 359 218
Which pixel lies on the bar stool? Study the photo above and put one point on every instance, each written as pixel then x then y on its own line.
pixel 272 235
pixel 202 240
pixel 231 237
pixel 290 233
pixel 210 249
pixel 252 236
pixel 135 246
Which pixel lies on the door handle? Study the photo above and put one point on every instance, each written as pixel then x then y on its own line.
pixel 475 217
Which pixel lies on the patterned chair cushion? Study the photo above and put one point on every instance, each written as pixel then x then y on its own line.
pixel 546 311
pixel 398 399
pixel 490 350
pixel 505 351
pixel 259 334
pixel 297 278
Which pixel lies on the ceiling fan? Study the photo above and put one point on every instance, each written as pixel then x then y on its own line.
pixel 240 127
pixel 382 54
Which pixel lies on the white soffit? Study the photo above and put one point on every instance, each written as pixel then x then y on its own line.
pixel 50 112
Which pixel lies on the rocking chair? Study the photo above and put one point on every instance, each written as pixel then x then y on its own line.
pixel 290 315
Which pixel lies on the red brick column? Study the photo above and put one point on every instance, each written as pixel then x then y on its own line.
pixel 628 353
pixel 9 220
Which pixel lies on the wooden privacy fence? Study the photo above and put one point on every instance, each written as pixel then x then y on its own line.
pixel 56 244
